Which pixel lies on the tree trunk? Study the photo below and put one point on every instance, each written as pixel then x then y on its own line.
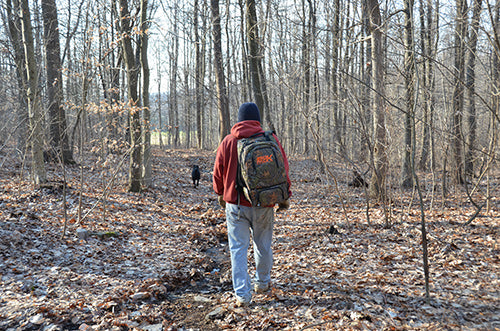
pixel 173 106
pixel 222 101
pixel 160 122
pixel 458 92
pixel 329 68
pixel 38 173
pixel 252 32
pixel 336 35
pixel 315 82
pixel 377 184
pixel 57 115
pixel 14 25
pixel 409 70
pixel 426 46
pixel 199 74
pixel 187 104
pixel 144 26
pixel 115 96
pixel 470 81
pixel 366 76
pixel 430 37
pixel 495 100
pixel 135 115
pixel 246 85
pixel 306 38
pixel 256 70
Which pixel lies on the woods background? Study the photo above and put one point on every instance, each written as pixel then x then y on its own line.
pixel 100 100
pixel 386 88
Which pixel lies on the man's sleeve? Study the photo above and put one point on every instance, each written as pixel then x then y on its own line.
pixel 218 182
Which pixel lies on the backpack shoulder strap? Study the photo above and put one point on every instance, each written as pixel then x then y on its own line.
pixel 258 134
pixel 269 135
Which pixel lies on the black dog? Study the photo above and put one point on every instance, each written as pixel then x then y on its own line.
pixel 195 175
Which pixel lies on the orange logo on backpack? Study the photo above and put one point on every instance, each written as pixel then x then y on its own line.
pixel 264 159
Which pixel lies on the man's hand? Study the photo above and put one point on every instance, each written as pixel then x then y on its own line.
pixel 222 203
pixel 283 206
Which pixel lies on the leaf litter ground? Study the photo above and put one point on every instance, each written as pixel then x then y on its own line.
pixel 159 260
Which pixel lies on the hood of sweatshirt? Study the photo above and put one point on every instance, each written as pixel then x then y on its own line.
pixel 245 129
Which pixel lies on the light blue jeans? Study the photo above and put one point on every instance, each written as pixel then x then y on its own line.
pixel 241 221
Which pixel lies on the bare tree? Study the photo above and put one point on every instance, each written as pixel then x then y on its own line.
pixel 377 184
pixel 494 14
pixel 143 49
pixel 246 81
pixel 39 175
pixel 315 78
pixel 200 71
pixel 132 79
pixel 159 100
pixel 409 72
pixel 255 64
pixel 116 59
pixel 173 110
pixel 109 72
pixel 458 91
pixel 428 42
pixel 252 32
pixel 222 100
pixel 16 39
pixel 335 86
pixel 306 41
pixel 470 82
pixel 57 115
pixel 366 76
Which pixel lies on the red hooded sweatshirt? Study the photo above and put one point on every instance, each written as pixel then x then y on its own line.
pixel 226 162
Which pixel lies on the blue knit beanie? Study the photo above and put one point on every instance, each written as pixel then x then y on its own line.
pixel 248 112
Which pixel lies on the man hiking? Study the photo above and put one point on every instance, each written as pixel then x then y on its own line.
pixel 249 210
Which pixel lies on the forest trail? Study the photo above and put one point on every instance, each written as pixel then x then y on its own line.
pixel 159 260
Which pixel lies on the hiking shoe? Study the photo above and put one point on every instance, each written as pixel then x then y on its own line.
pixel 258 288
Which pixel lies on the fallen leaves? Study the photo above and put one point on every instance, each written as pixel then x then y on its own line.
pixel 159 260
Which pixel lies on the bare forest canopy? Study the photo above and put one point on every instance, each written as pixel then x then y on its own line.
pixel 394 86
